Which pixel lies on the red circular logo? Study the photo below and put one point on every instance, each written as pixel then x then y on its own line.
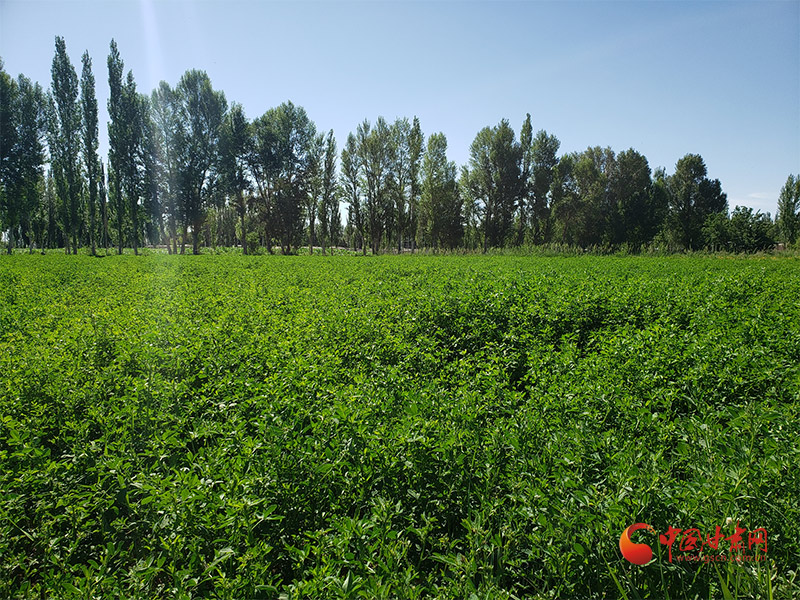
pixel 638 554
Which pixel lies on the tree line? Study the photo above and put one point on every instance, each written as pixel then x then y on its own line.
pixel 185 167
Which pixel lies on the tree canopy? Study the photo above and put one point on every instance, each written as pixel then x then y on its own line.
pixel 184 165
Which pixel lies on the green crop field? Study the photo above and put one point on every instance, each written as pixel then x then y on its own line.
pixel 395 427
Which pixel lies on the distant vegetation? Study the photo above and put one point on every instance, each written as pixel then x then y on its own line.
pixel 418 427
pixel 185 167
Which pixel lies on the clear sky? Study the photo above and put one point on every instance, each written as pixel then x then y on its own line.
pixel 721 79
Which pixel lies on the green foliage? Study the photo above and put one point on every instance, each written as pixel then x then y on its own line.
pixel 375 152
pixel 178 157
pixel 330 222
pixel 90 142
pixel 544 158
pixel 64 127
pixel 788 217
pixel 198 139
pixel 743 231
pixel 120 152
pixel 440 218
pixel 392 427
pixel 693 199
pixel 495 182
pixel 22 156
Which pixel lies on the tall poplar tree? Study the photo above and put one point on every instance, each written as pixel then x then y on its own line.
pixel 235 147
pixel 401 176
pixel 544 158
pixel 788 217
pixel 133 113
pixel 203 112
pixel 22 127
pixel 117 140
pixel 494 181
pixel 329 202
pixel 416 143
pixel 167 121
pixel 632 189
pixel 350 178
pixel 524 208
pixel 295 136
pixel 262 161
pixel 90 143
pixel 8 135
pixel 151 172
pixel 313 194
pixel 64 138
pixel 693 198
pixel 103 206
pixel 440 211
pixel 375 156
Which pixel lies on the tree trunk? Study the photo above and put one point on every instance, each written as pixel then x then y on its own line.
pixel 244 236
pixel 105 227
pixel 399 236
pixel 241 216
pixel 195 239
pixel 135 225
pixel 91 235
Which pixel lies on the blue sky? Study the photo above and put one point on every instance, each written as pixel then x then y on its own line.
pixel 719 78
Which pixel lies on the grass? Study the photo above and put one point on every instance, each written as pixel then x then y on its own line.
pixel 393 427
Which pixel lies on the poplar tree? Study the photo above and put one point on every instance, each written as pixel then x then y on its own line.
pixel 494 181
pixel 166 117
pixel 203 110
pixel 235 146
pixel 632 189
pixel 64 141
pixel 90 142
pixel 329 202
pixel 262 162
pixel 103 206
pixel 400 155
pixel 22 128
pixel 788 217
pixel 524 207
pixel 8 135
pixel 350 178
pixel 117 152
pixel 544 158
pixel 375 156
pixel 440 212
pixel 151 171
pixel 416 142
pixel 313 194
pixel 133 114
pixel 693 198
